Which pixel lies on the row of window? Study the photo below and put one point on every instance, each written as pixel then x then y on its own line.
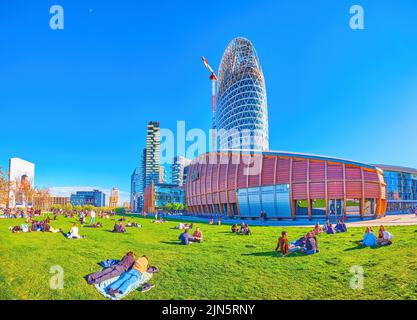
pixel 335 207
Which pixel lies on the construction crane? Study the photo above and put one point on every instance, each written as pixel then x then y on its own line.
pixel 213 79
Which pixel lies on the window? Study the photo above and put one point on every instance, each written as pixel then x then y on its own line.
pixel 353 207
pixel 318 207
pixel 301 207
pixel 370 206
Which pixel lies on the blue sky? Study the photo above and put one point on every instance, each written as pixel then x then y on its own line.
pixel 76 101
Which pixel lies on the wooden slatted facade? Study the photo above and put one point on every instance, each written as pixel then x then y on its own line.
pixel 212 187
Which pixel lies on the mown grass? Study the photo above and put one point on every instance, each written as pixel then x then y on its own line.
pixel 225 266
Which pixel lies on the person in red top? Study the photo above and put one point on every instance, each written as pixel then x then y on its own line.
pixel 198 235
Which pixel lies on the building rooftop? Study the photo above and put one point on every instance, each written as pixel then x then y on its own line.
pixel 304 155
pixel 396 168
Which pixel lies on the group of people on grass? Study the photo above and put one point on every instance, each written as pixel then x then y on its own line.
pixel 370 240
pixel 307 244
pixel 129 270
pixel 19 213
pixel 244 229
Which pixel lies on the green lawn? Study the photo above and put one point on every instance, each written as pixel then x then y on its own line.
pixel 225 266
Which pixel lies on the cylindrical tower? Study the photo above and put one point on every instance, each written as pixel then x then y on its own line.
pixel 241 115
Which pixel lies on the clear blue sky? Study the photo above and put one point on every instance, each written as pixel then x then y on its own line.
pixel 76 102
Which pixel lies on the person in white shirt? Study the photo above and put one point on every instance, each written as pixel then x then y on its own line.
pixel 74 232
pixel 93 216
pixel 386 240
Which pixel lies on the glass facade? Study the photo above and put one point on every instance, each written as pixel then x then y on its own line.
pixel 82 198
pixel 241 113
pixel 168 193
pixel 401 191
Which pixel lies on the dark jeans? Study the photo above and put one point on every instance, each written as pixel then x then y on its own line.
pixel 106 274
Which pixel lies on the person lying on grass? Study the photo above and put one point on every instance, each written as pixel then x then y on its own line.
pixel 284 247
pixel 369 239
pixel 198 235
pixel 133 224
pixel 73 233
pixel 235 228
pixel 97 225
pixel 341 226
pixel 114 271
pixel 384 237
pixel 129 277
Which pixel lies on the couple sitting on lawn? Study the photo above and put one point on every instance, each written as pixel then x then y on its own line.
pixel 119 227
pixel 307 244
pixel 186 238
pixel 329 229
pixel 129 269
pixel 370 240
pixel 244 229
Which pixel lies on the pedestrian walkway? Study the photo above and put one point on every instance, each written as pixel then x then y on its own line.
pixel 389 220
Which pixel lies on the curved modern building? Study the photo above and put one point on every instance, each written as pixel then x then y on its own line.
pixel 284 185
pixel 241 112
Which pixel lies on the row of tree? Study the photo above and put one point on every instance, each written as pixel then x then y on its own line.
pixel 174 207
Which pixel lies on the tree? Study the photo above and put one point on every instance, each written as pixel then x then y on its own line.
pixel 68 207
pixel 120 210
pixel 42 199
pixel 88 207
pixel 168 206
pixel 177 206
pixel 4 188
pixel 78 208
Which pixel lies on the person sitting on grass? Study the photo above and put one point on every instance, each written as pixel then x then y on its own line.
pixel 235 228
pixel 73 234
pixel 211 222
pixel 311 246
pixel 244 230
pixel 115 270
pixel 384 238
pixel 198 235
pixel 369 240
pixel 119 227
pixel 129 277
pixel 284 247
pixel 341 226
pixel 318 229
pixel 330 229
pixel 185 238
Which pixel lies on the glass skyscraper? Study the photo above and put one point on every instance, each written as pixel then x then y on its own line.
pixel 241 112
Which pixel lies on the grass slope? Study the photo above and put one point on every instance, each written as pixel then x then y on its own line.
pixel 225 266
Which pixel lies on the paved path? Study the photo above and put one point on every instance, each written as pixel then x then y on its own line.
pixel 392 220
